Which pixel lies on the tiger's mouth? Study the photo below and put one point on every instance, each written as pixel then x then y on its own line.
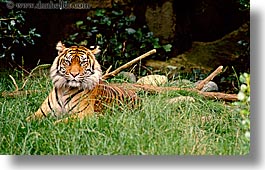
pixel 86 82
pixel 73 83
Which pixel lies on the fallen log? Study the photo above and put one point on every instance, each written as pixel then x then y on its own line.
pixel 108 75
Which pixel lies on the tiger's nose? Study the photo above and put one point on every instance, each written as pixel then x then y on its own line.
pixel 74 74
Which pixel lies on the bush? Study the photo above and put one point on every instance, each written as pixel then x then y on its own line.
pixel 245 4
pixel 13 34
pixel 118 36
pixel 244 103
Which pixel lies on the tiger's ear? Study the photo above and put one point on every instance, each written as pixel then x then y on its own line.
pixel 96 50
pixel 60 47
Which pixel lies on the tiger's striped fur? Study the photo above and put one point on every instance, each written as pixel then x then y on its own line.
pixel 77 86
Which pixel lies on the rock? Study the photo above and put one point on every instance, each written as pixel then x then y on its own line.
pixel 210 86
pixel 155 80
pixel 171 68
pixel 181 99
pixel 128 76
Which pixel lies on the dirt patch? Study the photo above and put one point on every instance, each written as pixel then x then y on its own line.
pixel 206 56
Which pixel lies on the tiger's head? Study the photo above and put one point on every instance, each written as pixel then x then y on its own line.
pixel 75 67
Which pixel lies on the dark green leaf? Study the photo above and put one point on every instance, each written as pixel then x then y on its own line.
pixel 118 13
pixel 130 30
pixel 100 12
pixel 167 47
pixel 78 23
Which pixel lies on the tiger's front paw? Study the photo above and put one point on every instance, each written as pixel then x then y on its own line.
pixel 30 118
pixel 65 120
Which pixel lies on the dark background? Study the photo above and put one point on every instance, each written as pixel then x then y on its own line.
pixel 194 20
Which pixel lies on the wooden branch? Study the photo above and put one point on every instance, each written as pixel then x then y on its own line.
pixel 19 93
pixel 107 71
pixel 209 78
pixel 32 71
pixel 115 72
pixel 14 81
pixel 23 69
pixel 211 95
pixel 218 95
pixel 6 19
pixel 155 89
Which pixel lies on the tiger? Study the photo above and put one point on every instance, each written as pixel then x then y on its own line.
pixel 78 89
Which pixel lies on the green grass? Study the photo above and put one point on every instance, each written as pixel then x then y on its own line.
pixel 204 127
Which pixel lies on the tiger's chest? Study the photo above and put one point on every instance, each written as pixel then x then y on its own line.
pixel 72 100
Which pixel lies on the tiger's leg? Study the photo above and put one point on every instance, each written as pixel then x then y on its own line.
pixel 41 112
pixel 44 110
pixel 85 109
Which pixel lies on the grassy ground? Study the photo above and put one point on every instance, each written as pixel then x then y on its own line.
pixel 203 127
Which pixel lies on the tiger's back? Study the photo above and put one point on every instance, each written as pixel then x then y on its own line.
pixel 114 94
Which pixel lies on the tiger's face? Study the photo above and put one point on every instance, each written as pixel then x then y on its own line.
pixel 76 67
